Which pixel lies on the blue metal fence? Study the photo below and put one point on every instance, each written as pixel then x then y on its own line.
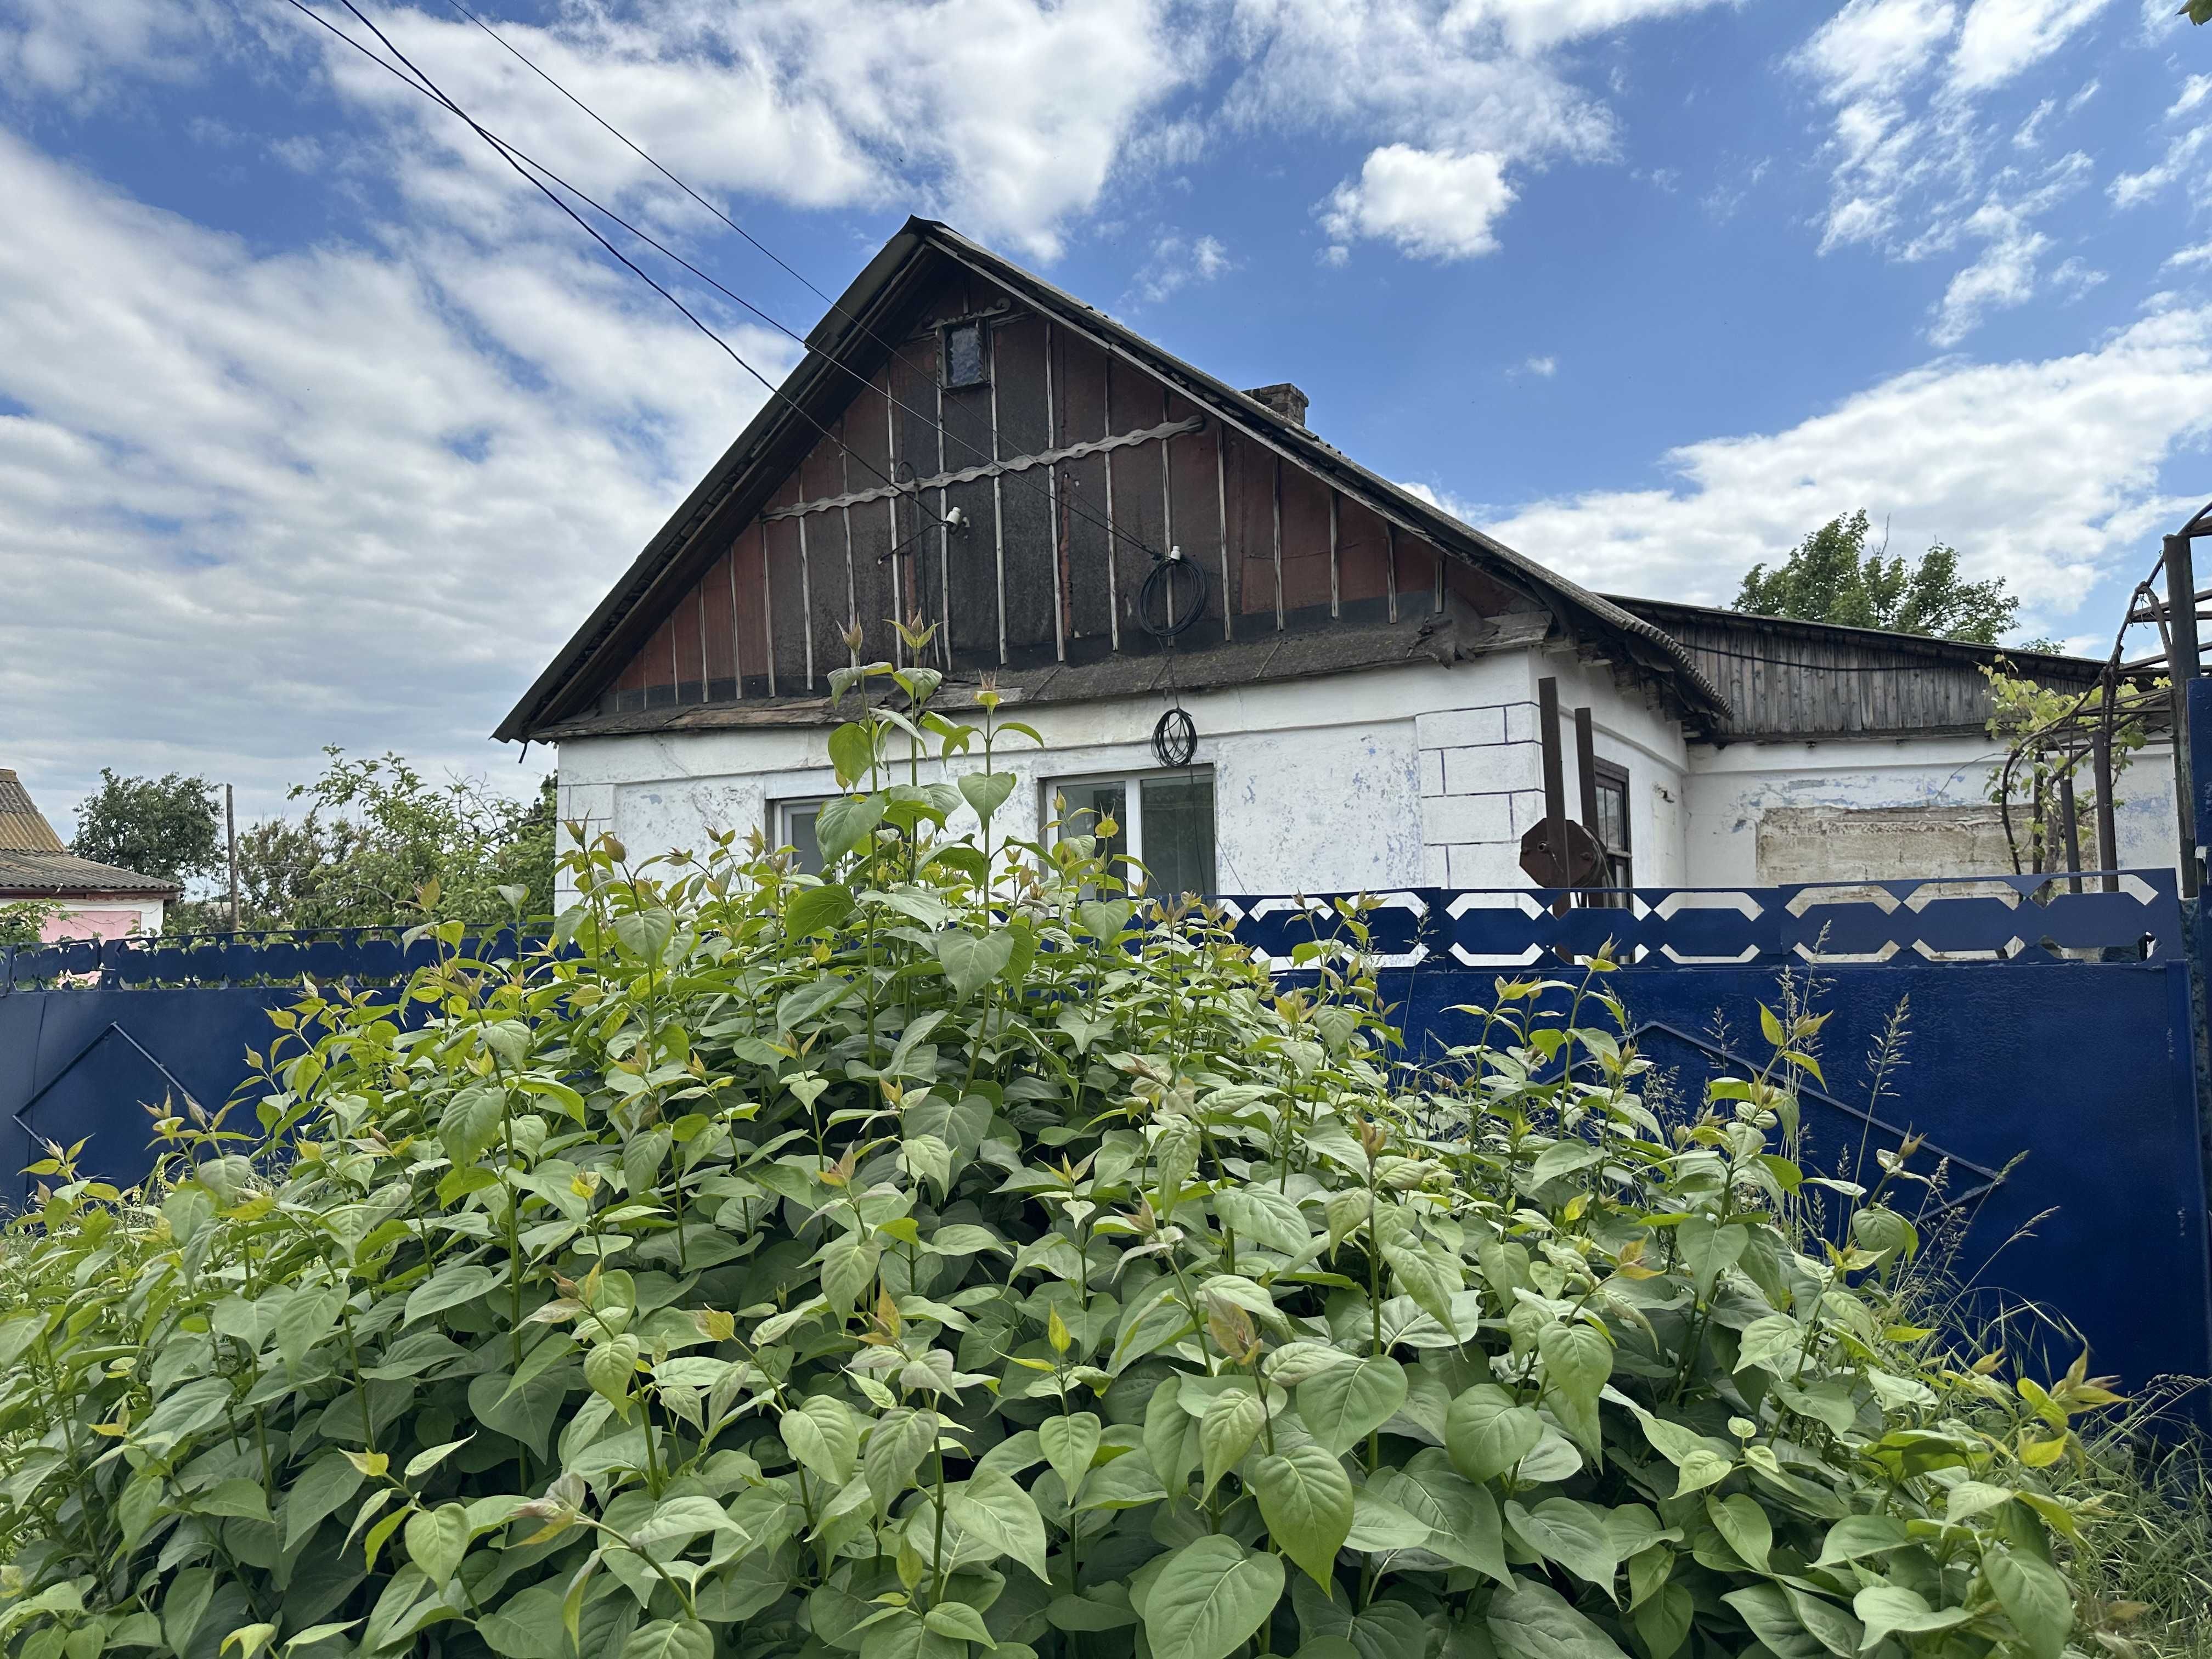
pixel 2062 1102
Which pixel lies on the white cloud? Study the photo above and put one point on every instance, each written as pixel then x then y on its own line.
pixel 69 48
pixel 1177 261
pixel 2003 277
pixel 260 503
pixel 2000 38
pixel 1910 153
pixel 1542 367
pixel 2045 473
pixel 1431 203
pixel 2183 258
pixel 2180 162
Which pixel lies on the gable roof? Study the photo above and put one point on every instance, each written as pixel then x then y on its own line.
pixel 34 861
pixel 849 338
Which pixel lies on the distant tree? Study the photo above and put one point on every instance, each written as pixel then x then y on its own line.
pixel 1833 577
pixel 162 827
pixel 2197 11
pixel 381 844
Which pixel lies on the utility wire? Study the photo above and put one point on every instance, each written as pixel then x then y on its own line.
pixel 630 144
pixel 513 154
pixel 423 83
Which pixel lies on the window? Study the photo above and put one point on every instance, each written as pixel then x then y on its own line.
pixel 791 824
pixel 1163 820
pixel 1613 824
pixel 966 356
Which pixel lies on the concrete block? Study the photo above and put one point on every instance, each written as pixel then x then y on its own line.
pixel 1433 772
pixel 1528 810
pixel 1452 728
pixel 1451 818
pixel 1488 864
pixel 1436 868
pixel 1480 771
pixel 1521 723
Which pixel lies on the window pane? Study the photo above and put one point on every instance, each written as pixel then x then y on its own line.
pixel 964 355
pixel 1179 834
pixel 798 832
pixel 1612 814
pixel 1089 803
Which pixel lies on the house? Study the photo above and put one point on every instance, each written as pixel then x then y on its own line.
pixel 89 899
pixel 1373 695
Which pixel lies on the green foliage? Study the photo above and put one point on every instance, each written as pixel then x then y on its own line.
pixel 168 826
pixel 2048 729
pixel 23 922
pixel 965 1271
pixel 1833 577
pixel 381 844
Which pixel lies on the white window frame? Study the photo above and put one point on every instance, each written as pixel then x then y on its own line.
pixel 781 811
pixel 1133 798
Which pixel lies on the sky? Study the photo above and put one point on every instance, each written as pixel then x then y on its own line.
pixel 318 425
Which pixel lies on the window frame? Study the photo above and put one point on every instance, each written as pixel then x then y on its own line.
pixel 944 333
pixel 1132 798
pixel 1619 861
pixel 781 810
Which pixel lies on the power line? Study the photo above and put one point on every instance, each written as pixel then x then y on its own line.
pixel 523 164
pixel 506 153
pixel 637 150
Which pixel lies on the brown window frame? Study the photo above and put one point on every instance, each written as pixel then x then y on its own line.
pixel 1619 861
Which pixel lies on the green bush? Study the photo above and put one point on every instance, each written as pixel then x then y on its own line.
pixel 927 1261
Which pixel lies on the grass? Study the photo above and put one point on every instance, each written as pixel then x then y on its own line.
pixel 2145 1571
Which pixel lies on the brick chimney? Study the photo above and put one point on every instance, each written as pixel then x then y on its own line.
pixel 1286 399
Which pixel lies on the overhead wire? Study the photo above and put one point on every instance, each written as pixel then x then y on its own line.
pixel 422 82
pixel 524 163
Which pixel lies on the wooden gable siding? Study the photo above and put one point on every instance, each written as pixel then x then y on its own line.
pixel 1034 576
pixel 1781 684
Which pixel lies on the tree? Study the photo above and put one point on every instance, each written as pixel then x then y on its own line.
pixel 163 826
pixel 381 844
pixel 1831 577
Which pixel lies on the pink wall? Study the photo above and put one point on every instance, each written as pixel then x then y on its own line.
pixel 90 923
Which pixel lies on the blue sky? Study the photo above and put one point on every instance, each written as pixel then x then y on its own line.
pixel 317 426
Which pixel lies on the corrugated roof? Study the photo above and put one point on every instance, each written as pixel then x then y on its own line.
pixel 23 828
pixel 56 875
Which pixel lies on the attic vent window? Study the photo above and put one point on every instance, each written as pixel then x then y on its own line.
pixel 965 356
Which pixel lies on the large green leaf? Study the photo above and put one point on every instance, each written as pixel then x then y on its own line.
pixel 1464 1525
pixel 823 1434
pixel 670 1639
pixel 896 1444
pixel 1891 1609
pixel 841 823
pixel 1569 1533
pixel 1069 1442
pixel 1209 1598
pixel 2034 1597
pixel 1532 1621
pixel 1486 1433
pixel 1342 1406
pixel 1306 1499
pixel 437 1539
pixel 992 1509
pixel 972 961
pixel 817 909
pixel 1578 1365
pixel 1227 1430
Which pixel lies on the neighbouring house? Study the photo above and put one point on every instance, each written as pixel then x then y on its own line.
pixel 1111 533
pixel 89 899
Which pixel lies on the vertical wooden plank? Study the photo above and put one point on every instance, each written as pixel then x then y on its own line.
pixel 1306 521
pixel 1112 536
pixel 1023 421
pixel 807 602
pixel 998 507
pixel 718 624
pixel 1079 412
pixel 1057 548
pixel 970 579
pixel 1193 465
pixel 1277 499
pixel 1390 567
pixel 750 568
pixel 874 597
pixel 687 655
pixel 1363 553
pixel 1335 576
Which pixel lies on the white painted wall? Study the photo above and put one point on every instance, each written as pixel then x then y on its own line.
pixel 1413 775
pixel 1404 776
pixel 1732 786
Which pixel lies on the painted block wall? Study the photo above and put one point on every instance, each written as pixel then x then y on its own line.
pixel 1421 775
